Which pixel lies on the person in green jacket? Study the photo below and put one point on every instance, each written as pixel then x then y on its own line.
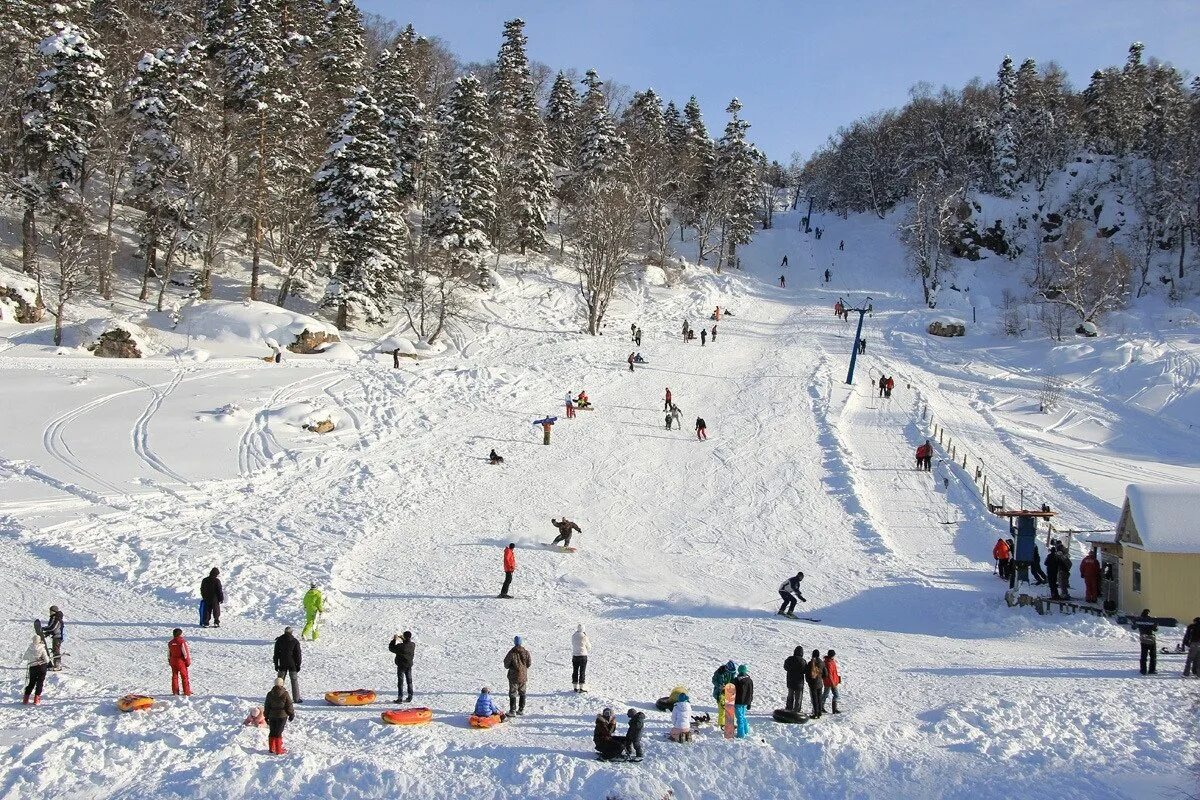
pixel 726 673
pixel 314 604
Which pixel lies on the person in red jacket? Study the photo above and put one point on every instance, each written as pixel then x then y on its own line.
pixel 1089 570
pixel 832 680
pixel 667 400
pixel 180 658
pixel 1000 553
pixel 510 566
pixel 922 451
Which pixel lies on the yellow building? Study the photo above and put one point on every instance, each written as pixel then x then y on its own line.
pixel 1153 561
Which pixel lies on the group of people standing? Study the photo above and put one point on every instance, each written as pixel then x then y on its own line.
pixel 819 675
pixel 885 384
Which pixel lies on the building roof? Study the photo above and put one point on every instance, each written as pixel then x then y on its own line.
pixel 1165 516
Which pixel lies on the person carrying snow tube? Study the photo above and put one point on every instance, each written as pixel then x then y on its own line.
pixel 789 590
pixel 604 736
pixel 37 658
pixel 279 711
pixel 565 528
pixel 681 719
pixel 794 667
pixel 314 605
pixel 724 674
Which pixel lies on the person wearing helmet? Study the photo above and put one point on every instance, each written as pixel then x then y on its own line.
pixel 54 631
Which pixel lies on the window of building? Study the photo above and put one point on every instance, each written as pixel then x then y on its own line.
pixel 1137 577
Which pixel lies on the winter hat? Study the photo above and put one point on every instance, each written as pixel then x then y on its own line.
pixel 517 641
pixel 683 698
pixel 407 635
pixel 288 629
pixel 512 545
pixel 631 712
pixel 279 682
pixel 730 666
pixel 830 654
pixel 608 712
pixel 743 670
pixel 485 690
pixel 54 609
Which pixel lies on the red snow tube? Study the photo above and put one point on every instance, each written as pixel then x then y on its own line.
pixel 355 697
pixel 484 722
pixel 407 716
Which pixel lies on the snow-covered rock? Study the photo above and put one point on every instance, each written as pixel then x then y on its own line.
pixel 20 300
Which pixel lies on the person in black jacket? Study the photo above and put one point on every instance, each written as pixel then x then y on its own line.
pixel 213 594
pixel 633 737
pixel 1191 644
pixel 1146 629
pixel 789 590
pixel 405 649
pixel 54 630
pixel 1035 568
pixel 278 710
pixel 287 661
pixel 1052 570
pixel 794 667
pixel 814 676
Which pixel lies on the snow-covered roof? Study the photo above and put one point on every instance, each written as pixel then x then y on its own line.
pixel 1165 516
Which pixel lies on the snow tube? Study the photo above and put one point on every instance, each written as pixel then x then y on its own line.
pixel 484 722
pixel 354 697
pixel 135 702
pixel 664 703
pixel 407 716
pixel 789 717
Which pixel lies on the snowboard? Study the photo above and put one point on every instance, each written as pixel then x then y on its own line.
pixel 37 628
pixel 559 548
pixel 730 714
pixel 1170 651
pixel 201 612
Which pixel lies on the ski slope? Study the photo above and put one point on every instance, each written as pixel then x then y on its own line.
pixel 122 484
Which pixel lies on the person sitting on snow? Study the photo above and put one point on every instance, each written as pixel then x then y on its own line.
pixel 485 707
pixel 495 458
pixel 582 401
pixel 681 720
pixel 604 737
pixel 637 359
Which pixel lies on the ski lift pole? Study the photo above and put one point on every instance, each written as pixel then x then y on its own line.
pixel 862 312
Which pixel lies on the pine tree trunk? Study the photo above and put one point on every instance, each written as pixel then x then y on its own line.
pixel 151 258
pixel 29 241
pixel 1182 242
pixel 343 316
pixel 260 190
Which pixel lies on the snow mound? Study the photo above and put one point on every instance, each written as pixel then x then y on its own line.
pixel 228 413
pixel 250 321
pixel 16 291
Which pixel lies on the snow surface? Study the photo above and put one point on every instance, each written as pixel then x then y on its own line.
pixel 121 484
pixel 1165 517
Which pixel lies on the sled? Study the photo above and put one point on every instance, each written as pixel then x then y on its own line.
pixel 407 716
pixel 560 548
pixel 135 702
pixel 585 408
pixel 1170 651
pixel 354 697
pixel 484 722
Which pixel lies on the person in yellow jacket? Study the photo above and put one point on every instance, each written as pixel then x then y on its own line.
pixel 314 604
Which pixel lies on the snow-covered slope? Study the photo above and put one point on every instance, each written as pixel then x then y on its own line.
pixel 123 484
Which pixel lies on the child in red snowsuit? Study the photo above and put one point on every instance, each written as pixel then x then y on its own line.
pixel 180 658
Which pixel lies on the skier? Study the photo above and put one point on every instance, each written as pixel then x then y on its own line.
pixel 887 389
pixel 1089 570
pixel 814 676
pixel 832 681
pixel 287 660
pixel 633 735
pixel 784 263
pixel 38 659
pixel 510 566
pixel 495 458
pixel 179 656
pixel 570 407
pixel 213 594
pixel 630 362
pixel 405 650
pixel 580 645
pixel 1001 553
pixel 701 428
pixel 1052 570
pixel 714 334
pixel 565 528
pixel 724 674
pixel 517 661
pixel 681 720
pixel 782 282
pixel 314 604
pixel 789 590
pixel 279 711
pixel 667 400
pixel 703 337
pixel 828 275
pixel 486 707
pixel 1191 643
pixel 794 667
pixel 842 244
pixel 743 700
pixel 1146 628
pixel 882 384
pixel 55 629
pixel 605 738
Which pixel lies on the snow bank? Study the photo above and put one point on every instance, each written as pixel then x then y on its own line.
pixel 250 321
pixel 18 296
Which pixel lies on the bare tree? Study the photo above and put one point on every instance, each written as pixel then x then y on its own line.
pixel 75 248
pixel 926 229
pixel 1085 273
pixel 1050 394
pixel 601 228
pixel 433 293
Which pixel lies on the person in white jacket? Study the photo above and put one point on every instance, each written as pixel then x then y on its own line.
pixel 38 659
pixel 580 645
pixel 681 720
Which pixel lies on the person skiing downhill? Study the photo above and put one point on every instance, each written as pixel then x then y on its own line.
pixel 179 657
pixel 789 590
pixel 784 262
pixel 580 645
pixel 213 594
pixel 37 659
pixel 314 605
pixel 510 566
pixel 517 661
pixel 828 275
pixel 405 650
pixel 565 529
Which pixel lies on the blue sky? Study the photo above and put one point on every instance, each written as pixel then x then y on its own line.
pixel 803 68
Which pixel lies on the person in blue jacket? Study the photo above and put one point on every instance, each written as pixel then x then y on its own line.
pixel 485 707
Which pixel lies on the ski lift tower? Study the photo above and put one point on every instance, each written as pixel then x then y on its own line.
pixel 865 309
pixel 1023 525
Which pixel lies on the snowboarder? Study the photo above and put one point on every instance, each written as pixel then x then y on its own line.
pixel 814 676
pixel 681 720
pixel 517 661
pixel 703 337
pixel 179 656
pixel 287 660
pixel 314 606
pixel 887 388
pixel 547 424
pixel 789 590
pixel 405 650
pixel 782 282
pixel 38 659
pixel 701 428
pixel 1089 570
pixel 667 400
pixel 1146 629
pixel 828 275
pixel 1000 553
pixel 495 458
pixel 54 629
pixel 605 738
pixel 486 707
pixel 565 528
pixel 832 680
pixel 794 667
pixel 580 645
pixel 726 673
pixel 633 734
pixel 510 566
pixel 784 262
pixel 630 362
pixel 279 711
pixel 1191 643
pixel 743 700
pixel 714 334
pixel 583 401
pixel 882 384
pixel 212 593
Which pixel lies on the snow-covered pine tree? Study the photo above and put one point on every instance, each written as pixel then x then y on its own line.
pixel 736 182
pixel 403 114
pixel 1133 97
pixel 358 199
pixel 697 193
pixel 343 54
pixel 600 151
pixel 650 173
pixel 1004 125
pixel 562 111
pixel 519 148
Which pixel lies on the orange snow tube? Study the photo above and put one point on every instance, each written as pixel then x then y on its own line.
pixel 135 702
pixel 484 722
pixel 407 716
pixel 354 697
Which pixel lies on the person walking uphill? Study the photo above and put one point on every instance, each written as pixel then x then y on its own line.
pixel 287 660
pixel 789 590
pixel 794 667
pixel 510 566
pixel 517 661
pixel 743 699
pixel 405 650
pixel 212 593
pixel 37 659
pixel 179 657
pixel 580 646
pixel 814 676
pixel 314 604
pixel 279 711
pixel 565 529
pixel 832 681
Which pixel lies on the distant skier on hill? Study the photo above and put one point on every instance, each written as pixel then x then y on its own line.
pixel 565 529
pixel 784 262
pixel 789 590
pixel 782 282
pixel 828 275
pixel 714 334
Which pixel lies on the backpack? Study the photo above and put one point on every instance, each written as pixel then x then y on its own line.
pixel 815 669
